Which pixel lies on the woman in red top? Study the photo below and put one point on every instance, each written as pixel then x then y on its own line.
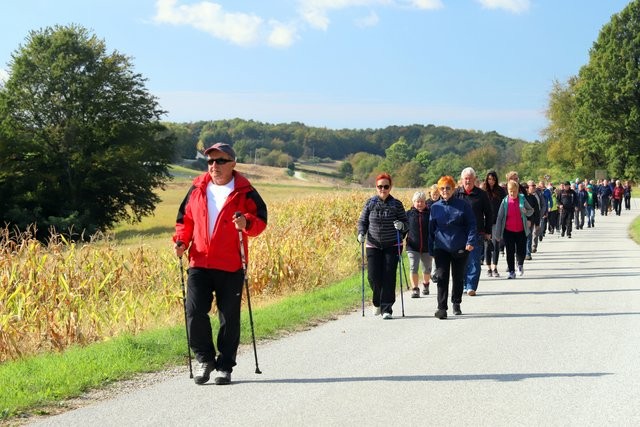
pixel 618 195
pixel 511 225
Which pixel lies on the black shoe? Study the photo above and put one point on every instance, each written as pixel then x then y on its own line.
pixel 569 235
pixel 425 289
pixel 441 314
pixel 203 372
pixel 415 293
pixel 222 378
pixel 456 309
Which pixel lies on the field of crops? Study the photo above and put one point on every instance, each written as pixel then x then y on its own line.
pixel 62 293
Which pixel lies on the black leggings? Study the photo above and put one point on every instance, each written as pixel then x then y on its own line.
pixel 515 247
pixel 381 268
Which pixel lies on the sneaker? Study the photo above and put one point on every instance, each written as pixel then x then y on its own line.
pixel 441 314
pixel 222 378
pixel 456 309
pixel 495 273
pixel 387 316
pixel 490 273
pixel 471 293
pixel 425 289
pixel 376 311
pixel 512 275
pixel 528 257
pixel 203 372
pixel 415 293
pixel 520 270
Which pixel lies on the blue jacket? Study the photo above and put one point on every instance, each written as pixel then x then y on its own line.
pixel 452 225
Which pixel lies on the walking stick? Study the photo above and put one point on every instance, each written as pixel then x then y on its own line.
pixel 246 285
pixel 399 273
pixel 362 258
pixel 186 326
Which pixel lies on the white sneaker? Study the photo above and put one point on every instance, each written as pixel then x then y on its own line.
pixel 222 378
pixel 387 316
pixel 376 311
pixel 520 270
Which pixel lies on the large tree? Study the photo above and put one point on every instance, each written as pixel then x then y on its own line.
pixel 608 97
pixel 81 142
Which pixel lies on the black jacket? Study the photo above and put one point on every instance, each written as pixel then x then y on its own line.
pixel 418 235
pixel 376 221
pixel 480 206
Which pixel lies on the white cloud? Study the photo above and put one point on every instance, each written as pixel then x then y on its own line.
pixel 370 20
pixel 427 4
pixel 281 35
pixel 238 28
pixel 315 12
pixel 515 6
pixel 247 29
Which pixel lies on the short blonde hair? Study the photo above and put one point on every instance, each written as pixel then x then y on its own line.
pixel 513 185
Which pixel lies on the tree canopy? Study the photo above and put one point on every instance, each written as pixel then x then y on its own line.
pixel 595 117
pixel 81 142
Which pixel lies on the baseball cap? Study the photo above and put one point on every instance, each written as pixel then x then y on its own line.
pixel 221 146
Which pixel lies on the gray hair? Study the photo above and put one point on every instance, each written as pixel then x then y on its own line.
pixel 418 195
pixel 468 171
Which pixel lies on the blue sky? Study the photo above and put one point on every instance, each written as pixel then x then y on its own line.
pixel 486 65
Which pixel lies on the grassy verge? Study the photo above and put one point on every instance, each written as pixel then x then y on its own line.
pixel 634 230
pixel 32 384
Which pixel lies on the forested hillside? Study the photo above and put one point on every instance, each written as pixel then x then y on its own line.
pixel 415 154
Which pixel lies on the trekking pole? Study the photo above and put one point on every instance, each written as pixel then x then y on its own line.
pixel 399 273
pixel 246 285
pixel 186 326
pixel 362 258
pixel 406 281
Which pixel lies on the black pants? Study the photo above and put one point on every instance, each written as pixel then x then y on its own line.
pixel 456 266
pixel 604 205
pixel 227 286
pixel 566 221
pixel 627 202
pixel 381 271
pixel 553 221
pixel 515 245
pixel 617 206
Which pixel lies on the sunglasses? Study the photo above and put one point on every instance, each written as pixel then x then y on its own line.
pixel 219 161
pixel 380 187
pixel 445 188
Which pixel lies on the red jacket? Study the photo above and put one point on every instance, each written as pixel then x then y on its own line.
pixel 192 224
pixel 618 192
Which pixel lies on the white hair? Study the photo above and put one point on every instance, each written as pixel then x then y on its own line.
pixel 468 171
pixel 418 195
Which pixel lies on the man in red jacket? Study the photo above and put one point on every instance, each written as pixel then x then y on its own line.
pixel 208 226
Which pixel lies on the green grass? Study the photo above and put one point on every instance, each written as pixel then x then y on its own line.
pixel 33 384
pixel 634 230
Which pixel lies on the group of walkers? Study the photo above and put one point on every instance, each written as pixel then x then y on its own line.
pixel 457 226
pixel 461 226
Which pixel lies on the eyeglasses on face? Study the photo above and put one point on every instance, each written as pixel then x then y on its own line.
pixel 381 187
pixel 219 161
pixel 445 188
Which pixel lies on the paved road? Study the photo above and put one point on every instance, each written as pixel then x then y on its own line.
pixel 558 346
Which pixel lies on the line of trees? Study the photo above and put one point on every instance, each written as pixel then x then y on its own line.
pixel 594 117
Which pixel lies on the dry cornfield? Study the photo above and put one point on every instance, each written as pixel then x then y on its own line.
pixel 62 293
